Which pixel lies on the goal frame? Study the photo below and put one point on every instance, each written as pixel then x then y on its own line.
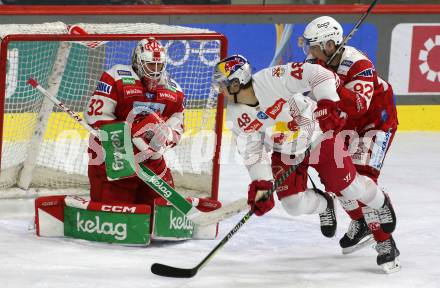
pixel 121 37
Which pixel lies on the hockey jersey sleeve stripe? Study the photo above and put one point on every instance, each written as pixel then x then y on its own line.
pixel 317 74
pixel 318 80
pixel 326 90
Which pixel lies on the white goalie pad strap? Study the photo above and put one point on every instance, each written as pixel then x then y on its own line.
pixel 81 202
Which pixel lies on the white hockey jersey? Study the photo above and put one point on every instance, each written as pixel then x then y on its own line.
pixel 265 127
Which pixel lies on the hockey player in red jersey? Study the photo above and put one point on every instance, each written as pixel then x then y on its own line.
pixel 369 104
pixel 144 95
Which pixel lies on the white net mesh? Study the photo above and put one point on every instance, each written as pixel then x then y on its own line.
pixel 72 73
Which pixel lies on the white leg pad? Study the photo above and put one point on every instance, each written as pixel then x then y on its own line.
pixel 365 190
pixel 307 202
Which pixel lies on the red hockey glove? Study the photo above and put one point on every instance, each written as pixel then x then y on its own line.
pixel 256 192
pixel 328 115
pixel 206 204
pixel 154 131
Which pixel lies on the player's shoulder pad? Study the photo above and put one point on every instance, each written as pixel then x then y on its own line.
pixel 352 57
pixel 270 73
pixel 313 70
pixel 279 71
pixel 355 64
pixel 120 71
pixel 352 54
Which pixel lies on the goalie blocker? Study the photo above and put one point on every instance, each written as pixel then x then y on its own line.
pixel 126 224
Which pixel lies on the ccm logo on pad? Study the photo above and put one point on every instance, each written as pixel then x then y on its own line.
pixel 123 209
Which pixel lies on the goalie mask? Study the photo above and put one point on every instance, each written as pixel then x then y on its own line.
pixel 234 73
pixel 149 62
pixel 321 30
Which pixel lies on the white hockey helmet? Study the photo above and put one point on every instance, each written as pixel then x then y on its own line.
pixel 321 30
pixel 149 51
pixel 233 68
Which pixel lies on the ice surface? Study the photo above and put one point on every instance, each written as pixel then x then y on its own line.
pixel 271 251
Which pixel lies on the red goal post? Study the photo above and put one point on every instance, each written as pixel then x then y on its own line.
pixel 42 148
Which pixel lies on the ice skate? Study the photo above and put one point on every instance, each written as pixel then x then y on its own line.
pixel 387 256
pixel 328 217
pixel 357 237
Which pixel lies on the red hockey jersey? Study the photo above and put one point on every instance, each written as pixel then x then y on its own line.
pixel 121 93
pixel 366 98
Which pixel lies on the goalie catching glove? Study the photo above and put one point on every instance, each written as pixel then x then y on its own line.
pixel 258 199
pixel 151 132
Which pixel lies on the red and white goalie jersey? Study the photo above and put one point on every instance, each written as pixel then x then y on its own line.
pixel 283 119
pixel 364 92
pixel 120 93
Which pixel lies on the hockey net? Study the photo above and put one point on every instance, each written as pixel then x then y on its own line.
pixel 41 147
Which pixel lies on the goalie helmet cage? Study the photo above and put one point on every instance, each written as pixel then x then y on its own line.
pixel 41 147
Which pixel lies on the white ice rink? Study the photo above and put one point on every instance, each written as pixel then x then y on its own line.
pixel 271 251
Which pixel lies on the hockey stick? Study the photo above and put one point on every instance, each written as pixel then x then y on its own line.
pixel 355 28
pixel 170 271
pixel 154 181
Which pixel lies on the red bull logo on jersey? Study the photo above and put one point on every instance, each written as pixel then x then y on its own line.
pixel 278 71
pixel 274 110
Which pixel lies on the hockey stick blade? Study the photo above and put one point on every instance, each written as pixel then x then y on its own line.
pixel 168 271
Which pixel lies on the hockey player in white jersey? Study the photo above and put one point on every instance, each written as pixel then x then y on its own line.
pixel 270 115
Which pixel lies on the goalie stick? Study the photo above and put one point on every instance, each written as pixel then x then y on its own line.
pixel 355 28
pixel 170 271
pixel 155 182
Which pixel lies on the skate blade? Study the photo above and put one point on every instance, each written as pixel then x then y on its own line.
pixel 391 267
pixel 367 242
